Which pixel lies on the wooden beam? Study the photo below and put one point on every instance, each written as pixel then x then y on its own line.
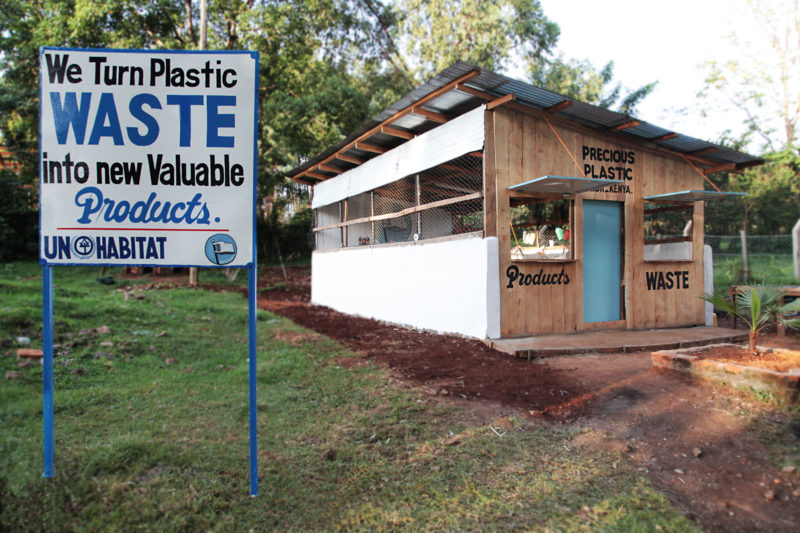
pixel 474 92
pixel 631 124
pixel 340 156
pixel 740 166
pixel 662 138
pixel 559 106
pixel 328 168
pixel 430 115
pixel 403 112
pixel 704 151
pixel 404 212
pixel 394 132
pixel 610 135
pixel 476 154
pixel 682 207
pixel 719 168
pixel 369 148
pixel 317 175
pixel 511 97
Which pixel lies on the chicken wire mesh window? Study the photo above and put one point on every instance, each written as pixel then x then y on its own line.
pixel 541 229
pixel 442 201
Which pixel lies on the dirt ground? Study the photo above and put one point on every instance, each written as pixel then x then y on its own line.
pixel 725 460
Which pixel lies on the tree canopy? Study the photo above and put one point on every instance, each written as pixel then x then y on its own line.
pixel 328 65
pixel 763 82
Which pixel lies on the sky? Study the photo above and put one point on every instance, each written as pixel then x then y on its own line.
pixel 657 41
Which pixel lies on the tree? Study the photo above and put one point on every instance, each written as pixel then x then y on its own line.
pixel 438 33
pixel 494 35
pixel 25 25
pixel 579 79
pixel 764 79
pixel 759 307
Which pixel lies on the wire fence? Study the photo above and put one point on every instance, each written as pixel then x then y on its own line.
pixel 442 201
pixel 769 260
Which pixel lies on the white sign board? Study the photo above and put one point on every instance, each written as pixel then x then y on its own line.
pixel 147 157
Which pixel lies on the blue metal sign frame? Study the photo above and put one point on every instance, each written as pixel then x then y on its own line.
pixel 48 438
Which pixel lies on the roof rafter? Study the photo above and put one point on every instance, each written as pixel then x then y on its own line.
pixel 394 132
pixel 559 106
pixel 662 138
pixel 347 158
pixel 625 126
pixel 720 168
pixel 428 114
pixel 403 112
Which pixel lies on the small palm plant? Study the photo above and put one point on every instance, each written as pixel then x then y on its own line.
pixel 759 307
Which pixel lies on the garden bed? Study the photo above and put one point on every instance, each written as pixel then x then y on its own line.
pixel 775 370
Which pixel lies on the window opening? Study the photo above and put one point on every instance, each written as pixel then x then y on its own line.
pixel 541 229
pixel 668 232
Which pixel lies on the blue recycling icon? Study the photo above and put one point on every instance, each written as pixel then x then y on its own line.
pixel 83 246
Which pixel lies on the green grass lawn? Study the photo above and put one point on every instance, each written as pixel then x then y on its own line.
pixel 151 431
pixel 765 269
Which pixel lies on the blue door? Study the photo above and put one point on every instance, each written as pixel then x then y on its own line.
pixel 602 260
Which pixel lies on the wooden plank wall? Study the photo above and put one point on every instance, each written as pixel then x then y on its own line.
pixel 522 146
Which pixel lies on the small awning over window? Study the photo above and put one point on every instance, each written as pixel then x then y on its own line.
pixel 562 185
pixel 693 196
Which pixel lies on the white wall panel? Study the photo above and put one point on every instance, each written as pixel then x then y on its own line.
pixel 448 287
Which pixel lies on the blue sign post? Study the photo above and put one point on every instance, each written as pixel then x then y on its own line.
pixel 147 158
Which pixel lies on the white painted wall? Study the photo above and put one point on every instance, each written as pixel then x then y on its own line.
pixel 674 251
pixel 449 287
pixel 708 282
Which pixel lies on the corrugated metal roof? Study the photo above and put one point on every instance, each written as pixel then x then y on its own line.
pixel 563 184
pixel 693 196
pixel 453 103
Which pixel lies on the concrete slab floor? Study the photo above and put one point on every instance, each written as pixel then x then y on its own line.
pixel 615 341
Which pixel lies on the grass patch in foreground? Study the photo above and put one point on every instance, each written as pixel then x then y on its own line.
pixel 151 431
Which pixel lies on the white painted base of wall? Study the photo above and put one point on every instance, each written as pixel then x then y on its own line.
pixel 448 287
pixel 668 251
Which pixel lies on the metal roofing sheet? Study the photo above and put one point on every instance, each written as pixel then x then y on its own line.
pixel 693 196
pixel 686 144
pixel 647 131
pixel 528 93
pixel 562 184
pixel 456 103
pixel 409 122
pixel 593 115
pixel 450 100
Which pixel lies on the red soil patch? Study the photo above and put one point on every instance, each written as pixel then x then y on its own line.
pixel 442 364
pixel 683 435
pixel 778 360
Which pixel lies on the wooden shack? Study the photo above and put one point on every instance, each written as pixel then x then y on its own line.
pixel 484 206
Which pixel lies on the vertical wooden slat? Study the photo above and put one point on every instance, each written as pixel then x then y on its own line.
pixel 533 294
pixel 522 296
pixel 489 177
pixel 500 138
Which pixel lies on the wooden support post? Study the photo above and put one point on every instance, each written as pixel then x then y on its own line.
pixel 745 256
pixel 419 213
pixel 796 249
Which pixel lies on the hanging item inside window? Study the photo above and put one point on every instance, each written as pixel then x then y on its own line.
pixel 540 229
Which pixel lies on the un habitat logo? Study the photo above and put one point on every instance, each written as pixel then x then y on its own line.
pixel 84 247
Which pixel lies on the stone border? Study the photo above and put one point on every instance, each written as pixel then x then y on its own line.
pixel 785 386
